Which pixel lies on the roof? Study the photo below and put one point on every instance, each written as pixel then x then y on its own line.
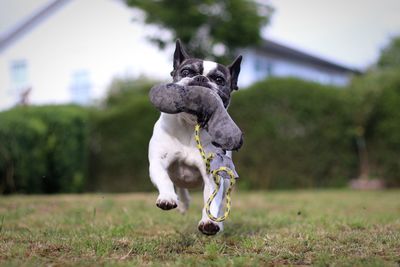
pixel 30 22
pixel 272 47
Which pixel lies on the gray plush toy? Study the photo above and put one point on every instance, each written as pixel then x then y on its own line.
pixel 204 103
pixel 211 114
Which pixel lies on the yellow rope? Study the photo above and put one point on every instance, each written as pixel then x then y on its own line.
pixel 217 180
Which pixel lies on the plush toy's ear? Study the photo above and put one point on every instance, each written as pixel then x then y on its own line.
pixel 234 69
pixel 179 56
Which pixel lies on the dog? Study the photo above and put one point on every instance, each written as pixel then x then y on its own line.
pixel 175 162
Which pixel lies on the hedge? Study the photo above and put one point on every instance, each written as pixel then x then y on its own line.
pixel 43 149
pixel 119 142
pixel 383 126
pixel 297 135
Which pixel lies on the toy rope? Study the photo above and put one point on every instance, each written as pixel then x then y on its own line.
pixel 217 180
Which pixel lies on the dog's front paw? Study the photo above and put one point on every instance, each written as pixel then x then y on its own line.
pixel 167 203
pixel 208 227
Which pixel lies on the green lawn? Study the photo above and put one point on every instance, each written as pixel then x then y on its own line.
pixel 265 228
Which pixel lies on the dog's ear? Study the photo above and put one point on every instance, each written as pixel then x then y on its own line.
pixel 234 70
pixel 179 55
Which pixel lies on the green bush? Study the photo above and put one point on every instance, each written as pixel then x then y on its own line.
pixel 296 135
pixel 119 139
pixel 383 128
pixel 43 149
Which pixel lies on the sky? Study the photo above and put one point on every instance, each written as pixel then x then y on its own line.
pixel 349 32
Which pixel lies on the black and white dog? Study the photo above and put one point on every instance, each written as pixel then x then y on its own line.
pixel 200 93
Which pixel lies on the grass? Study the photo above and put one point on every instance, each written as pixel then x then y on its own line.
pixel 336 227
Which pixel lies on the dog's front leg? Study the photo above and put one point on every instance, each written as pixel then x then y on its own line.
pixel 167 198
pixel 206 225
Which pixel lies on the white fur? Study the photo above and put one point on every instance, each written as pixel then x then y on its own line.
pixel 173 139
pixel 208 66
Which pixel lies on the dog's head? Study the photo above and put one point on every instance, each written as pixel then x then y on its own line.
pixel 193 71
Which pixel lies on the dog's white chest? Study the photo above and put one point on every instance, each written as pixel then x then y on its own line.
pixel 174 146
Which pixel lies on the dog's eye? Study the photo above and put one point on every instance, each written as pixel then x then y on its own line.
pixel 220 81
pixel 187 72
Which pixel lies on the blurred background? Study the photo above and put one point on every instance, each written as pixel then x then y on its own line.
pixel 318 100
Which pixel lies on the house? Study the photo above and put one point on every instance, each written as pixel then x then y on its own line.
pixel 69 51
pixel 272 59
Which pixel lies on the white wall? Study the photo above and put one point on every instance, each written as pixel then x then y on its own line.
pixel 279 67
pixel 93 35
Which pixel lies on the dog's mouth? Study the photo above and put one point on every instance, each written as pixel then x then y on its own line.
pixel 224 97
pixel 195 83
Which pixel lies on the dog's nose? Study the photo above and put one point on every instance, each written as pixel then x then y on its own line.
pixel 201 79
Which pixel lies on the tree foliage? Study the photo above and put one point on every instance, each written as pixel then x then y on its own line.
pixel 211 28
pixel 365 94
pixel 390 55
pixel 122 90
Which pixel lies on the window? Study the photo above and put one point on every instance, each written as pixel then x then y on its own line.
pixel 19 74
pixel 258 64
pixel 269 69
pixel 263 67
pixel 80 87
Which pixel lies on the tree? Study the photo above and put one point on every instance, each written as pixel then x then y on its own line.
pixel 363 96
pixel 390 55
pixel 209 28
pixel 123 90
pixel 365 92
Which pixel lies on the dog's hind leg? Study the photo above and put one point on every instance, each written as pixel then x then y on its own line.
pixel 184 199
